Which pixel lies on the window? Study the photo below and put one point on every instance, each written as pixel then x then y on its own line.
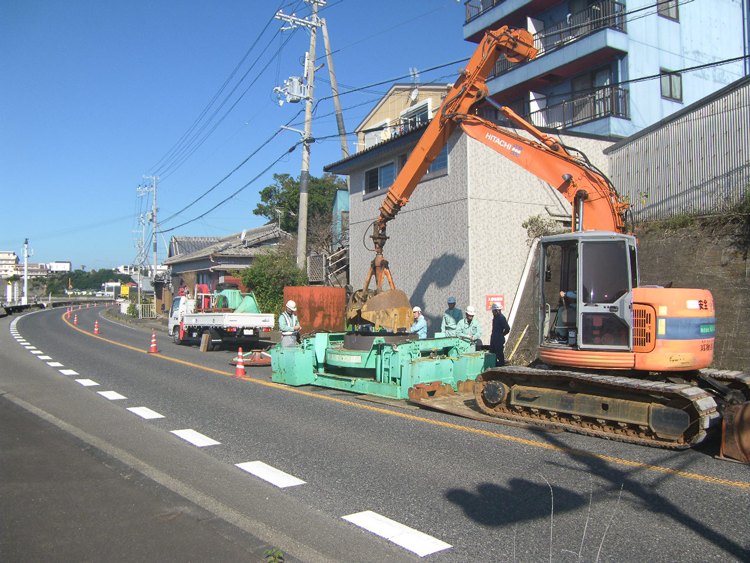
pixel 606 276
pixel 440 162
pixel 379 178
pixel 671 85
pixel 668 9
pixel 417 115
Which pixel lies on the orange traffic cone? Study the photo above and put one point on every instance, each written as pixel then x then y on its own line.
pixel 96 327
pixel 239 373
pixel 75 319
pixel 68 312
pixel 153 349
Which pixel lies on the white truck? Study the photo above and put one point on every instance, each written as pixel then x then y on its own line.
pixel 227 316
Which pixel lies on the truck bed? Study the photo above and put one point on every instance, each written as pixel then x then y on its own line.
pixel 223 320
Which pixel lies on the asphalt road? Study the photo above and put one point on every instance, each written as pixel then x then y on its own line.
pixel 465 490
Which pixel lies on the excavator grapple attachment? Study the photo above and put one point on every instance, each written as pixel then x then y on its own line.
pixel 389 309
pixel 735 433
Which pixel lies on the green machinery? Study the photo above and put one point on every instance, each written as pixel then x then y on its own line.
pixel 381 364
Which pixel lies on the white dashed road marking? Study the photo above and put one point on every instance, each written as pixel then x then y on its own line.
pixel 145 412
pixel 68 372
pixel 195 438
pixel 37 352
pixel 44 357
pixel 271 474
pixel 406 537
pixel 111 395
pixel 54 364
pixel 86 382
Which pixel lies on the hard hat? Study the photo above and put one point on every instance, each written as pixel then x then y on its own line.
pixel 291 305
pixel 470 310
pixel 417 309
pixel 496 307
pixel 451 300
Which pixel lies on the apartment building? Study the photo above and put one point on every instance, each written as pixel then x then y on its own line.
pixel 613 68
pixel 8 261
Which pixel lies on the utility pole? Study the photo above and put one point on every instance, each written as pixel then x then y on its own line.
pixel 153 218
pixel 304 182
pixel 335 92
pixel 25 298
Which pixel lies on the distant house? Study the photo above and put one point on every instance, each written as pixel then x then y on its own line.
pixel 211 260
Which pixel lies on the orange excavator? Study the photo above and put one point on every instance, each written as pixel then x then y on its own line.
pixel 616 359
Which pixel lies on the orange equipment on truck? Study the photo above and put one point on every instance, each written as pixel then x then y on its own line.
pixel 617 360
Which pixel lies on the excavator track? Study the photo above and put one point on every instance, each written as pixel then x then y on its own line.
pixel 638 411
pixel 737 380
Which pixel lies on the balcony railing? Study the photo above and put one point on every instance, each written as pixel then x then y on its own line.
pixel 605 14
pixel 475 8
pixel 603 102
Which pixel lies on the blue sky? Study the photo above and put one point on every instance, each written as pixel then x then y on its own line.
pixel 94 95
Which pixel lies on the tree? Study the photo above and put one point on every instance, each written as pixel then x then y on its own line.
pixel 269 273
pixel 283 195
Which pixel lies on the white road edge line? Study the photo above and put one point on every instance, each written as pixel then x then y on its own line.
pixel 408 538
pixel 145 412
pixel 270 474
pixel 195 438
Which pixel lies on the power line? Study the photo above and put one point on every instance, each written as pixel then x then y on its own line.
pixel 216 95
pixel 186 146
pixel 222 202
pixel 212 188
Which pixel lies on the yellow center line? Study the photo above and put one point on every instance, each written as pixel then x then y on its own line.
pixel 523 441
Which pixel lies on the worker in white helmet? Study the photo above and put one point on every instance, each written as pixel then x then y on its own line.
pixel 469 328
pixel 451 318
pixel 420 324
pixel 500 328
pixel 289 325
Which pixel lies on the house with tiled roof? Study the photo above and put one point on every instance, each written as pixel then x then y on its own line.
pixel 211 260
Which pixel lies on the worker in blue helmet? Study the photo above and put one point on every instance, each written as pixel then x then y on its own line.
pixel 451 318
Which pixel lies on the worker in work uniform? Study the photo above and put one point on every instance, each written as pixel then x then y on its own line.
pixel 500 328
pixel 420 324
pixel 451 318
pixel 469 328
pixel 289 325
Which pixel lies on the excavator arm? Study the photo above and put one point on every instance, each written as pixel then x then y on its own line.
pixel 391 308
pixel 596 205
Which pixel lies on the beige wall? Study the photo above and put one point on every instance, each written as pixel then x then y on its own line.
pixel 393 105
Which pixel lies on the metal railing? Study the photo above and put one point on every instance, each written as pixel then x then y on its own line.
pixel 609 101
pixel 475 8
pixel 336 267
pixel 146 311
pixel 603 15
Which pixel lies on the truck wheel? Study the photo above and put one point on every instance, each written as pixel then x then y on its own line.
pixel 176 336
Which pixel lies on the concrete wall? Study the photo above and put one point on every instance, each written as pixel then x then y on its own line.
pixel 427 250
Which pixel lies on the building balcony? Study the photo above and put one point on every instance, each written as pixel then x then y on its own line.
pixel 598 17
pixel 601 103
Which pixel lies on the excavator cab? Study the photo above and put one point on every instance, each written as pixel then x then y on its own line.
pixel 586 282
